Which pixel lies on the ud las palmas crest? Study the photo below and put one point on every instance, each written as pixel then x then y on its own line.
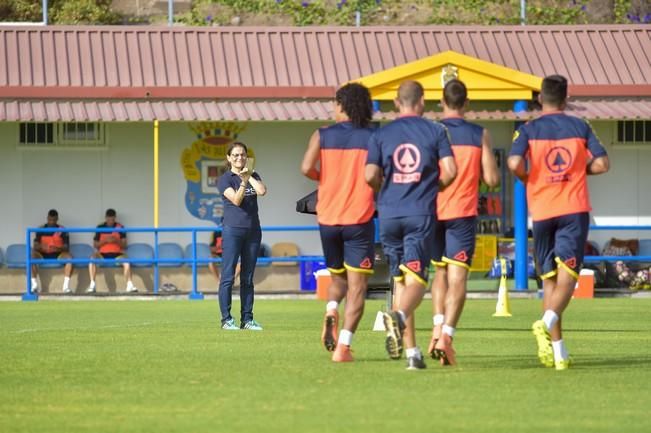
pixel 203 164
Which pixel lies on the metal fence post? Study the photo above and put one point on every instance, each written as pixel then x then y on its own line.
pixel 29 295
pixel 194 294
pixel 156 270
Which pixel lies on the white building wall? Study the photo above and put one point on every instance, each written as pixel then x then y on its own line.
pixel 81 184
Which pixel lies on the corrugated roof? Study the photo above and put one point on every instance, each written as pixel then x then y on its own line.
pixel 194 110
pixel 134 57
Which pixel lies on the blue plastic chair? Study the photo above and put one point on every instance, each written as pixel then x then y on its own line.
pixel 16 256
pixel 644 247
pixel 81 251
pixel 265 251
pixel 203 252
pixel 140 252
pixel 170 251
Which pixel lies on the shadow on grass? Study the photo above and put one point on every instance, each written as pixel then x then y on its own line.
pixel 519 329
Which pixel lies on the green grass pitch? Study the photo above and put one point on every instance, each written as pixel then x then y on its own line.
pixel 166 366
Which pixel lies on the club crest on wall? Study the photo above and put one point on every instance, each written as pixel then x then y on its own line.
pixel 204 162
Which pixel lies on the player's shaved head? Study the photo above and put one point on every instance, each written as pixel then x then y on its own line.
pixel 410 93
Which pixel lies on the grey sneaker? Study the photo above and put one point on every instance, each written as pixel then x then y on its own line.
pixel 252 325
pixel 415 363
pixel 230 325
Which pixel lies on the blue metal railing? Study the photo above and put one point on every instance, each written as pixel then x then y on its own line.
pixel 155 261
pixel 615 258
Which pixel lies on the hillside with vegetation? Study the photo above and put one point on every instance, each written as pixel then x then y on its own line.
pixel 330 12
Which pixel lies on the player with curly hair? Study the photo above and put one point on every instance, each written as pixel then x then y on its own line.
pixel 335 157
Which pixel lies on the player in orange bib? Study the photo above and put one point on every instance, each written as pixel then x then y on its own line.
pixel 561 150
pixel 110 246
pixel 454 233
pixel 345 212
pixel 52 246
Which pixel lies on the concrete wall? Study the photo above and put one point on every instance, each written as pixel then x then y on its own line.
pixel 81 184
pixel 622 196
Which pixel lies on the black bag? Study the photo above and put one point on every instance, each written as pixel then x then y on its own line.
pixel 307 204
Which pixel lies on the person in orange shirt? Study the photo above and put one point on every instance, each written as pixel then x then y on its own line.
pixel 561 150
pixel 345 212
pixel 110 246
pixel 52 246
pixel 454 233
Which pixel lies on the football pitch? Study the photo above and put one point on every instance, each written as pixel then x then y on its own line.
pixel 165 366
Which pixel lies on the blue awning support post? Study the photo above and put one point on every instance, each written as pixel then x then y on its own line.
pixel 520 221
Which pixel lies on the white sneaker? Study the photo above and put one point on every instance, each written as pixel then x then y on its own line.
pixel 67 290
pixel 131 288
pixel 36 289
pixel 90 289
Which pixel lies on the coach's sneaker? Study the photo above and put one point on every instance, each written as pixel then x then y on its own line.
pixel 416 363
pixel 342 354
pixel 91 288
pixel 445 351
pixel 544 340
pixel 563 364
pixel 395 326
pixel 252 325
pixel 230 325
pixel 436 334
pixel 131 288
pixel 330 330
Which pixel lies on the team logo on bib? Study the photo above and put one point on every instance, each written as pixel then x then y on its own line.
pixel 461 256
pixel 366 263
pixel 414 265
pixel 571 262
pixel 406 160
pixel 558 160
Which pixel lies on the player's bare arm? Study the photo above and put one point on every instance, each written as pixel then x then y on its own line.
pixel 373 176
pixel 311 157
pixel 489 172
pixel 448 171
pixel 599 165
pixel 517 167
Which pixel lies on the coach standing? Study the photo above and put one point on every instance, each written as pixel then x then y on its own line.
pixel 241 235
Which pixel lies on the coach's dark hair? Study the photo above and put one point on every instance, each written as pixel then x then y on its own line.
pixel 355 101
pixel 554 90
pixel 455 94
pixel 110 212
pixel 235 144
pixel 53 213
pixel 410 93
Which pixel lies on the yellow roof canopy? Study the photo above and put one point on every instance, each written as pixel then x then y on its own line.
pixel 485 81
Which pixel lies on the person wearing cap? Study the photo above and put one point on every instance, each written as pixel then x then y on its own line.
pixel 110 245
pixel 51 246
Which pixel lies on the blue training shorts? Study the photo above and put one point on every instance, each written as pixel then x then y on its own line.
pixel 407 243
